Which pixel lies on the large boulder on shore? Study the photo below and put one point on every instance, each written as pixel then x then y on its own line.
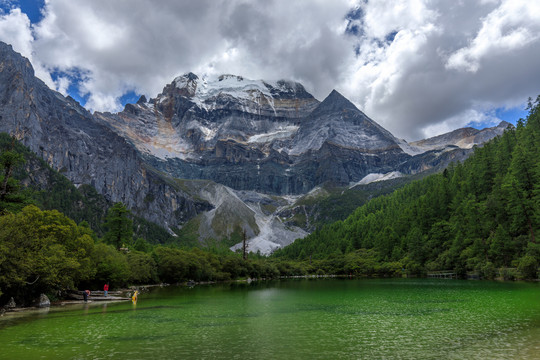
pixel 43 301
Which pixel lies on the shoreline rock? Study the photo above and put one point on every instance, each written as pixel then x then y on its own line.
pixel 43 301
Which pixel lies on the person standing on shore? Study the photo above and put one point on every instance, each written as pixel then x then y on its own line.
pixel 86 293
pixel 106 289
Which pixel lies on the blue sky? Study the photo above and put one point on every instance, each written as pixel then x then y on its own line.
pixel 417 67
pixel 510 115
pixel 32 8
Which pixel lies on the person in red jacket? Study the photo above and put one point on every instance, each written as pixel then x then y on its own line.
pixel 106 289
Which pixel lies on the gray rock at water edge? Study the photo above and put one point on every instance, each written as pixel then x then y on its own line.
pixel 11 304
pixel 43 301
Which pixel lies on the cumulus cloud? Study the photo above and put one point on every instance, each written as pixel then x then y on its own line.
pixel 512 26
pixel 444 64
pixel 143 45
pixel 123 46
pixel 16 30
pixel 418 67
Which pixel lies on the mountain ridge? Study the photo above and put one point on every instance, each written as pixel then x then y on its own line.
pixel 274 138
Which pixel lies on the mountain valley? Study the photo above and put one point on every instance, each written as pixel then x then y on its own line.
pixel 216 158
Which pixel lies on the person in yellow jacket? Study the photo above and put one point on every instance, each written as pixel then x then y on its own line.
pixel 134 297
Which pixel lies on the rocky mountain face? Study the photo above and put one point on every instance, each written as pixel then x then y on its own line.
pixel 437 152
pixel 69 139
pixel 274 137
pixel 464 138
pixel 255 135
pixel 245 149
pixel 236 213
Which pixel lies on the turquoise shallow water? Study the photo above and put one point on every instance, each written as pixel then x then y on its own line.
pixel 292 319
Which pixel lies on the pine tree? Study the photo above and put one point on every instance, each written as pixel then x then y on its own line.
pixel 119 225
pixel 11 198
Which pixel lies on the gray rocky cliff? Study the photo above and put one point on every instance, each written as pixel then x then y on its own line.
pixel 438 152
pixel 68 138
pixel 253 135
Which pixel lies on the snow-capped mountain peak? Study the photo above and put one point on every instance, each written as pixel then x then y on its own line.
pixel 206 90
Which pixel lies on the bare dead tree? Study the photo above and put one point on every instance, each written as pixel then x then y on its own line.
pixel 244 246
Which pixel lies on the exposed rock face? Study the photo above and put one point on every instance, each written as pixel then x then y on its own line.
pixel 439 151
pixel 66 136
pixel 434 159
pixel 236 212
pixel 273 137
pixel 464 138
pixel 253 135
pixel 337 121
pixel 338 143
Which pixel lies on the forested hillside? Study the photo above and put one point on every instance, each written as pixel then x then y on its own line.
pixel 481 215
pixel 50 190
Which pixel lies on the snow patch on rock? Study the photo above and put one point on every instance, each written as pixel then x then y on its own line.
pixel 377 177
pixel 410 149
pixel 208 88
pixel 281 132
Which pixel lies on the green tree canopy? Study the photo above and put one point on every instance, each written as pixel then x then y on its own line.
pixel 11 198
pixel 42 251
pixel 119 225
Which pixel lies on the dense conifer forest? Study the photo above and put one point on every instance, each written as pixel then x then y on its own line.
pixel 482 215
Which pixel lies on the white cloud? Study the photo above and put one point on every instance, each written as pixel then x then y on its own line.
pixel 415 66
pixel 142 46
pixel 15 30
pixel 415 87
pixel 62 85
pixel 513 25
pixel 383 17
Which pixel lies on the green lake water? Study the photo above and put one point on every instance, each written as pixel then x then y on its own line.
pixel 292 319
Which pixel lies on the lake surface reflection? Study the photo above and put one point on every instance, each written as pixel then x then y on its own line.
pixel 292 319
